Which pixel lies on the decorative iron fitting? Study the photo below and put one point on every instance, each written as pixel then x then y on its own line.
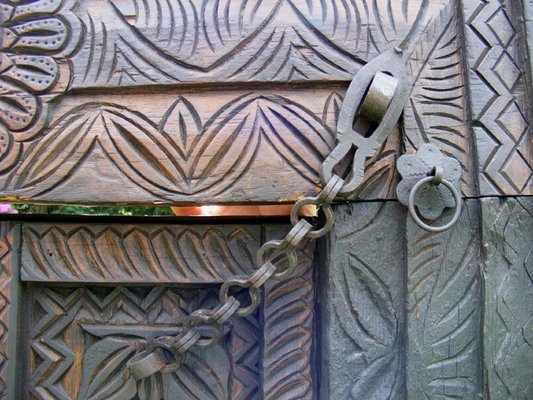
pixel 377 95
pixel 430 183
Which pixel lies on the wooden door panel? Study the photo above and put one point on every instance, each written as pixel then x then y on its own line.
pixel 95 295
pixel 182 133
pixel 80 339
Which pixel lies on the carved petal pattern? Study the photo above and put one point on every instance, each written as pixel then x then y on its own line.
pixel 34 37
pixel 165 163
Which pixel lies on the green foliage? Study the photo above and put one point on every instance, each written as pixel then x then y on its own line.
pixel 82 210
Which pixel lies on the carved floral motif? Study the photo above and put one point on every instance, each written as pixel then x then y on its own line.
pixel 35 38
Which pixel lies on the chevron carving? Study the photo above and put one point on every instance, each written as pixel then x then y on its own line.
pixel 499 93
pixel 74 332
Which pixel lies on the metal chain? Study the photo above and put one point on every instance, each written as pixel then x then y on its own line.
pixel 382 98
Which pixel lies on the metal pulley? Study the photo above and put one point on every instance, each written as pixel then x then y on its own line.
pixel 378 94
pixel 378 97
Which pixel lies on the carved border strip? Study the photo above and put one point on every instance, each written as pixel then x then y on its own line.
pixel 508 295
pixel 363 304
pixel 137 254
pixel 499 97
pixel 9 306
pixel 289 333
pixel 444 300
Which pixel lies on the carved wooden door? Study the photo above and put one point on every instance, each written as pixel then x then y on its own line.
pixel 237 102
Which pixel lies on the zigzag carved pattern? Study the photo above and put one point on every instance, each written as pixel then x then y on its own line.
pixel 499 93
pixel 67 323
pixel 162 42
pixel 149 253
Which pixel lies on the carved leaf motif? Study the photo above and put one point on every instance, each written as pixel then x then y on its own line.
pixel 38 73
pixel 19 108
pixel 443 309
pixel 436 111
pixel 368 317
pixel 204 375
pixel 137 148
pixel 104 365
pixel 288 326
pixel 216 25
pixel 182 124
pixel 163 165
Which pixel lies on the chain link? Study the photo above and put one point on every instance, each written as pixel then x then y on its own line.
pixel 204 327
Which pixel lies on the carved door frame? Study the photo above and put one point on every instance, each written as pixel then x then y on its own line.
pixel 103 95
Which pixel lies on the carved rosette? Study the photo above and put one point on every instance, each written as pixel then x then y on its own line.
pixel 35 38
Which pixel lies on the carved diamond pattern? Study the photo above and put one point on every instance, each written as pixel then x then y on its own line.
pixel 517 170
pixel 507 71
pixel 512 121
pixel 501 27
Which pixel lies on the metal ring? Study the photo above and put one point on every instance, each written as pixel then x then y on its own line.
pixel 253 292
pixel 415 216
pixel 146 363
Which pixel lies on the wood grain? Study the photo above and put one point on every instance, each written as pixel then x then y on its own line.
pixel 362 304
pixel 9 306
pixel 444 309
pixel 508 272
pixel 73 332
pixel 199 147
pixel 289 318
pixel 143 253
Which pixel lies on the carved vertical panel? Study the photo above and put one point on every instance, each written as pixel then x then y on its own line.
pixel 362 304
pixel 9 302
pixel 437 109
pixel 508 277
pixel 288 318
pixel 500 97
pixel 444 309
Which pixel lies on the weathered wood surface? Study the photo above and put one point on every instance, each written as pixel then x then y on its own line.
pixel 437 108
pixel 444 338
pixel 158 42
pixel 9 307
pixel 74 332
pixel 500 86
pixel 190 146
pixel 362 304
pixel 161 142
pixel 137 253
pixel 289 339
pixel 508 296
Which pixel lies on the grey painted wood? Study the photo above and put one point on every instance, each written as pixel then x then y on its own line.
pixel 444 309
pixel 500 89
pixel 362 303
pixel 508 280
